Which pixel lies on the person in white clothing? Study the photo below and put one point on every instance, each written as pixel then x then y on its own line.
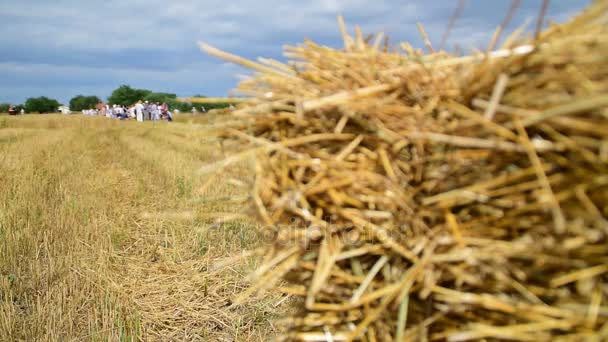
pixel 157 111
pixel 139 111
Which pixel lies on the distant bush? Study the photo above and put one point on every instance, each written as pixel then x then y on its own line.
pixel 80 102
pixel 126 96
pixel 160 97
pixel 41 104
pixel 4 107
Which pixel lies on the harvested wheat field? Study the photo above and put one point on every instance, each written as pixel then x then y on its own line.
pixel 104 236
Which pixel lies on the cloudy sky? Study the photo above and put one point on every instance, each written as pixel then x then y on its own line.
pixel 62 48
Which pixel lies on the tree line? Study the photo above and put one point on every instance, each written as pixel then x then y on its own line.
pixel 123 95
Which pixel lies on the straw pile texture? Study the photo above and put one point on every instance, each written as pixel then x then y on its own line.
pixel 431 196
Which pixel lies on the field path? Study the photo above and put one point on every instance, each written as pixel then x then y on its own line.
pixel 104 236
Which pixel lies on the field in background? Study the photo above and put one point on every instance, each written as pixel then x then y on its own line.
pixel 106 233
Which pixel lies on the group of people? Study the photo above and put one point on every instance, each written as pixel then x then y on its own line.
pixel 142 111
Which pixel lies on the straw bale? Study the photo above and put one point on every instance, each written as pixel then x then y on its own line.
pixel 431 196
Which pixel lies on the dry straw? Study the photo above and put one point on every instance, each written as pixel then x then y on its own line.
pixel 430 196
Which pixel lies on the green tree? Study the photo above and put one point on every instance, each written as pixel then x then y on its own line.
pixel 80 102
pixel 4 107
pixel 126 96
pixel 41 104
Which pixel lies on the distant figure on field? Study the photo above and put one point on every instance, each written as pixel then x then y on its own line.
pixel 120 112
pixel 139 111
pixel 156 112
pixel 147 111
pixel 100 109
